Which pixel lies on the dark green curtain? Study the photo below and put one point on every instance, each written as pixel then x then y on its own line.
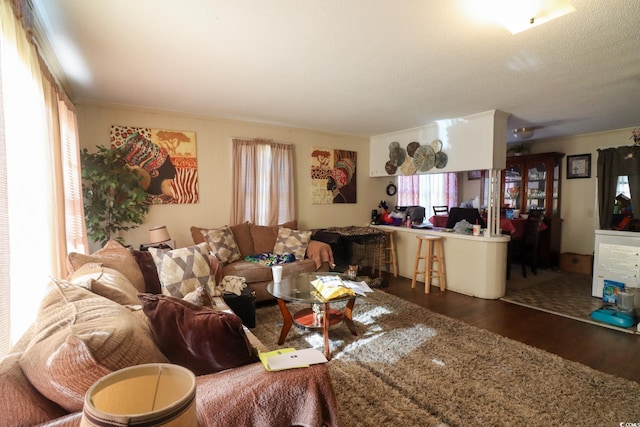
pixel 614 162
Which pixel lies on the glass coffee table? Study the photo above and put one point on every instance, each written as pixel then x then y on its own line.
pixel 319 314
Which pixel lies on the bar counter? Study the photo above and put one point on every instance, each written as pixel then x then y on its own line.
pixel 474 265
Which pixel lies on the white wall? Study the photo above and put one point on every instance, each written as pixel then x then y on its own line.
pixel 213 138
pixel 578 203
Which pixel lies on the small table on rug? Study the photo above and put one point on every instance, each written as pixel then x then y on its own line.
pixel 298 289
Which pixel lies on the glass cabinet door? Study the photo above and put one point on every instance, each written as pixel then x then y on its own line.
pixel 556 190
pixel 536 186
pixel 512 187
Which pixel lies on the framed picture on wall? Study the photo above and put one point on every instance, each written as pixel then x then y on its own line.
pixel 579 166
pixel 471 175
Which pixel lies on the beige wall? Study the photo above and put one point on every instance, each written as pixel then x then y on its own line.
pixel 214 173
pixel 213 137
pixel 578 203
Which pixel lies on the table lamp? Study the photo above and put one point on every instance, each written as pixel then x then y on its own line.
pixel 158 394
pixel 158 236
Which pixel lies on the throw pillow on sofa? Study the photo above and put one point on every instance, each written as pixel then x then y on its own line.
pixel 106 282
pixel 112 255
pixel 183 270
pixel 264 237
pixel 292 242
pixel 223 244
pixel 78 338
pixel 198 338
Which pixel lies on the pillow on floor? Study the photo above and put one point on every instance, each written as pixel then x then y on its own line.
pixel 198 338
pixel 183 270
pixel 292 242
pixel 78 338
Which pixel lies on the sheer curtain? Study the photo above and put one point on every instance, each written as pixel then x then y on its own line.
pixel 263 189
pixel 428 190
pixel 35 138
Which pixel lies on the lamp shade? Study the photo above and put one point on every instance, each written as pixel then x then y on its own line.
pixel 158 394
pixel 158 235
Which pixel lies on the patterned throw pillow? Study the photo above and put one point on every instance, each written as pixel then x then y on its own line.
pixel 292 242
pixel 183 270
pixel 223 244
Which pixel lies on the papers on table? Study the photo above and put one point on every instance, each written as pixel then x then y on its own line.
pixel 290 358
pixel 333 286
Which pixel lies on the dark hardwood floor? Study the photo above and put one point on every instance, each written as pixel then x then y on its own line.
pixel 601 348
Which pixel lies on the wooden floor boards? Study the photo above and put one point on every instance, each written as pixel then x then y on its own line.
pixel 603 349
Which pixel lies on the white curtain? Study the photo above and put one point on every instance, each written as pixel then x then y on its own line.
pixel 428 190
pixel 263 188
pixel 37 133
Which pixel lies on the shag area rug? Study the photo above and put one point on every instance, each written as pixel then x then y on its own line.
pixel 411 367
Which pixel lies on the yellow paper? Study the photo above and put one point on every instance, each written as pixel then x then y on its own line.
pixel 264 357
pixel 329 292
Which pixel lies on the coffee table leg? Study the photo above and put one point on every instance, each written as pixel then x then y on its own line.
pixel 348 316
pixel 287 321
pixel 325 330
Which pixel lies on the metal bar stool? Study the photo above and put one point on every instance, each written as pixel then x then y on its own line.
pixel 387 254
pixel 434 254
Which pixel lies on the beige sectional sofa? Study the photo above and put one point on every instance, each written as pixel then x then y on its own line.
pixel 98 320
pixel 251 239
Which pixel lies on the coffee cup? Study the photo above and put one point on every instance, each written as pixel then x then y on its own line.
pixel 276 270
pixel 476 229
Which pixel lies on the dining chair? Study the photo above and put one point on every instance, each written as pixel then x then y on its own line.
pixel 525 248
pixel 441 210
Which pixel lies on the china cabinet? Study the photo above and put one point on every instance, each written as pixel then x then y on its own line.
pixel 531 183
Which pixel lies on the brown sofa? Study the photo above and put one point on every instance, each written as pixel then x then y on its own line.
pixel 87 327
pixel 254 239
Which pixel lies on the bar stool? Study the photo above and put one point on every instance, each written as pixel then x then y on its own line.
pixel 434 254
pixel 387 254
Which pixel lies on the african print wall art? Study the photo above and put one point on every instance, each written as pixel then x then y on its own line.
pixel 166 159
pixel 333 176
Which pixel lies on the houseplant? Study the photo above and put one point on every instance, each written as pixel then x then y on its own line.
pixel 114 199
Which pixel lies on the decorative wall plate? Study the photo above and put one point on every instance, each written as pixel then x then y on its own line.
pixel 412 147
pixel 436 144
pixel 408 168
pixel 390 167
pixel 441 160
pixel 397 154
pixel 424 158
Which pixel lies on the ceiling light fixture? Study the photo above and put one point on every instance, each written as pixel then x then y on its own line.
pixel 523 133
pixel 521 15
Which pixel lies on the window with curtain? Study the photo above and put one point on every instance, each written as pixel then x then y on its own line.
pixel 428 190
pixel 263 189
pixel 40 200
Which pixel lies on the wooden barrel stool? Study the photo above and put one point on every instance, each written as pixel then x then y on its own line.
pixel 387 254
pixel 434 255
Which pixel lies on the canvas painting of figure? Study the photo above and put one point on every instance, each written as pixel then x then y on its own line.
pixel 333 176
pixel 165 159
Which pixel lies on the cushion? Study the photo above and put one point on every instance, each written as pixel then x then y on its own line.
pixel 183 270
pixel 149 271
pixel 112 255
pixel 22 404
pixel 198 338
pixel 223 244
pixel 292 242
pixel 197 235
pixel 200 296
pixel 78 338
pixel 106 282
pixel 264 237
pixel 242 234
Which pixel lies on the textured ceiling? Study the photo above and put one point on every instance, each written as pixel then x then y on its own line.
pixel 360 67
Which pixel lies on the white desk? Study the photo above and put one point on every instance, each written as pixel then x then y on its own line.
pixel 475 265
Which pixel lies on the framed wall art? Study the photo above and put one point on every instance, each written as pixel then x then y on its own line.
pixel 579 166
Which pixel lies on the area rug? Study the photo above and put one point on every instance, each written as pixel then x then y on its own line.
pixel 567 295
pixel 411 367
